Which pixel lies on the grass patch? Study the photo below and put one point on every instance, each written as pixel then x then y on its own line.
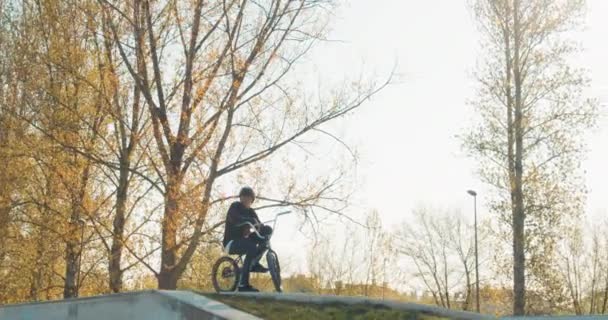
pixel 271 309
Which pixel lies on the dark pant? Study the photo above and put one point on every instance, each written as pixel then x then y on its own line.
pixel 251 247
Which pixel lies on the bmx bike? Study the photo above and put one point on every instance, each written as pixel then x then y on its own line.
pixel 226 271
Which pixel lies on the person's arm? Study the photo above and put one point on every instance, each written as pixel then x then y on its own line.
pixel 258 222
pixel 235 215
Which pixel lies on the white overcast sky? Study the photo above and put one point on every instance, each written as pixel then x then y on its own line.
pixel 405 135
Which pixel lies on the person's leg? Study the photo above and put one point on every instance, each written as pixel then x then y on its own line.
pixel 247 247
pixel 262 243
pixel 255 264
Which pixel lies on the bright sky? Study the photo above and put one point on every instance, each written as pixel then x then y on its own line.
pixel 405 135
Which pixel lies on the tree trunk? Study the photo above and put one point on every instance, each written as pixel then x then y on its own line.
pixel 38 269
pixel 439 290
pixel 74 239
pixel 4 220
pixel 167 277
pixel 596 277
pixel 467 298
pixel 577 292
pixel 70 289
pixel 126 150
pixel 518 230
pixel 514 158
pixel 605 302
pixel 519 284
pixel 445 277
pixel 114 268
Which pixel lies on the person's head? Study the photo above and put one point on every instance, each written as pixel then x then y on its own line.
pixel 247 196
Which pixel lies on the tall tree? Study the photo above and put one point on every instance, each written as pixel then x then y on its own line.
pixel 532 115
pixel 64 112
pixel 225 103
pixel 126 142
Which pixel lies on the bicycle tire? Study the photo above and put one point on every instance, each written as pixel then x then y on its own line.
pixel 275 269
pixel 214 274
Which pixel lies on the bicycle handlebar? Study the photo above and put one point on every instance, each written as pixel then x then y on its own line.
pixel 273 226
pixel 276 216
pixel 252 227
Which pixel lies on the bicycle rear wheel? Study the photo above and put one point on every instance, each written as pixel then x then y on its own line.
pixel 225 275
pixel 275 269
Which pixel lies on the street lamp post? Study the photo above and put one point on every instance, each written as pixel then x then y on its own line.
pixel 383 277
pixel 474 194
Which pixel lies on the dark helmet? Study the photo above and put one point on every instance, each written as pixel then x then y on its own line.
pixel 247 192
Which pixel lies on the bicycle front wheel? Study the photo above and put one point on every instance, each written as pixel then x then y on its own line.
pixel 225 275
pixel 274 269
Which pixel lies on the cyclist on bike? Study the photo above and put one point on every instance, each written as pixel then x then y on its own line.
pixel 238 236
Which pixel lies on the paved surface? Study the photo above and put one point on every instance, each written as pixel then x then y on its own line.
pixel 142 305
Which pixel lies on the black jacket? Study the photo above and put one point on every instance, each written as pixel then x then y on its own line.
pixel 238 214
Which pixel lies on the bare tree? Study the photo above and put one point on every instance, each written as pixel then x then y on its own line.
pixel 441 253
pixel 226 104
pixel 604 296
pixel 341 267
pixel 337 262
pixel 584 265
pixel 464 246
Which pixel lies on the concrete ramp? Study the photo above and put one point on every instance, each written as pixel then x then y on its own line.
pixel 141 305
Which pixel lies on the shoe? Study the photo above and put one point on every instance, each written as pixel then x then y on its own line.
pixel 247 288
pixel 259 268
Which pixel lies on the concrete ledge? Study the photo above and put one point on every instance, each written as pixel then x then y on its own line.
pixel 185 305
pixel 328 299
pixel 141 305
pixel 591 317
pixel 222 311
